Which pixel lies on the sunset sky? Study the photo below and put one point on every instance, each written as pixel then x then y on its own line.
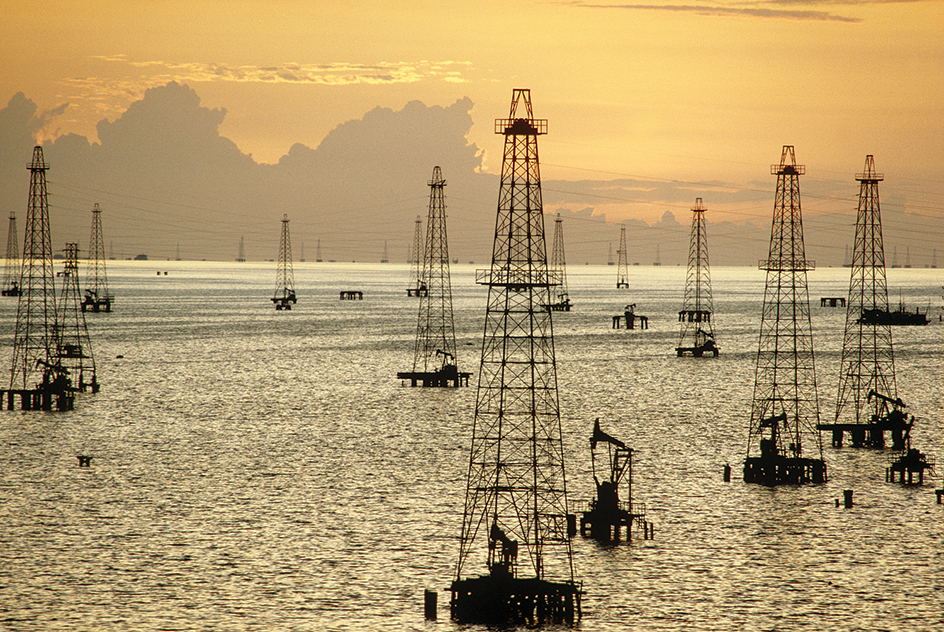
pixel 688 91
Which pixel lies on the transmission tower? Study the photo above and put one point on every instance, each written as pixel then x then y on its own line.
pixel 97 297
pixel 284 296
pixel 11 279
pixel 34 342
pixel 558 268
pixel 515 525
pixel 697 335
pixel 785 408
pixel 622 270
pixel 434 354
pixel 867 399
pixel 73 346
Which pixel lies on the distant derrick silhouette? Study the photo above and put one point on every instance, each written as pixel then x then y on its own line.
pixel 13 269
pixel 696 335
pixel 284 296
pixel 622 269
pixel 97 298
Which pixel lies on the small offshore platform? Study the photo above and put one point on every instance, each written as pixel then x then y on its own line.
pixel 785 408
pixel 97 298
pixel 558 266
pixel 622 269
pixel 434 353
pixel 515 526
pixel 284 296
pixel 13 264
pixel 607 518
pixel 696 335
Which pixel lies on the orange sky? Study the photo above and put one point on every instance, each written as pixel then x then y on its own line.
pixel 693 91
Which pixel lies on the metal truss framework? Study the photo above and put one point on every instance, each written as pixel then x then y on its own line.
pixel 558 263
pixel 516 486
pixel 11 277
pixel 695 318
pixel 73 346
pixel 622 268
pixel 435 346
pixel 868 362
pixel 785 401
pixel 285 273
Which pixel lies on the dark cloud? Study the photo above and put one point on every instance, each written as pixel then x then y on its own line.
pixel 739 10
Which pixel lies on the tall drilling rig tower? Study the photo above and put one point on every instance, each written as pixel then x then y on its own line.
pixel 867 402
pixel 97 298
pixel 35 365
pixel 416 287
pixel 558 268
pixel 785 408
pixel 11 277
pixel 284 296
pixel 696 335
pixel 622 270
pixel 434 354
pixel 73 346
pixel 515 526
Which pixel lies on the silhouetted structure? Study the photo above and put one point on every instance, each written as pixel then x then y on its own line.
pixel 241 255
pixel 385 258
pixel 607 517
pixel 73 346
pixel 36 375
pixel 622 270
pixel 97 298
pixel 558 268
pixel 285 275
pixel 867 403
pixel 13 264
pixel 629 318
pixel 696 335
pixel 785 408
pixel 515 524
pixel 416 287
pixel 434 354
pixel 318 251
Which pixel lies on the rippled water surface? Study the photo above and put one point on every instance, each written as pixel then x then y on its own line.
pixel 263 470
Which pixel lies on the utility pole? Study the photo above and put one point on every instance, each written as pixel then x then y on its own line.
pixel 516 526
pixel 696 335
pixel 785 408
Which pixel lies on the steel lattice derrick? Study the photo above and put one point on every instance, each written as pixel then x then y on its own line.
pixel 435 346
pixel 516 478
pixel 96 281
pixel 785 376
pixel 868 361
pixel 34 341
pixel 11 278
pixel 622 269
pixel 697 308
pixel 416 255
pixel 558 260
pixel 73 345
pixel 285 273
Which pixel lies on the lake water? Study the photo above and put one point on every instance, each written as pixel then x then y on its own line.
pixel 264 470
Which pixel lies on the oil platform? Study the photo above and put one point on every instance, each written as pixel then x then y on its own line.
pixel 434 354
pixel 622 270
pixel 284 296
pixel 73 346
pixel 697 336
pixel 416 286
pixel 13 264
pixel 515 526
pixel 867 402
pixel 37 376
pixel 558 267
pixel 785 408
pixel 97 298
pixel 607 517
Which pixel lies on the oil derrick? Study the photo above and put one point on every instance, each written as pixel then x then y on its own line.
pixel 867 402
pixel 622 270
pixel 35 373
pixel 241 255
pixel 11 278
pixel 434 354
pixel 785 408
pixel 97 298
pixel 697 336
pixel 284 276
pixel 73 346
pixel 558 268
pixel 416 287
pixel 515 524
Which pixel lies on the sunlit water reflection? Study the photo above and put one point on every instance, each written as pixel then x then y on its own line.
pixel 259 470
